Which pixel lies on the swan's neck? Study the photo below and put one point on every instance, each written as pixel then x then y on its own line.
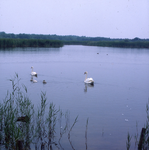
pixel 32 69
pixel 86 77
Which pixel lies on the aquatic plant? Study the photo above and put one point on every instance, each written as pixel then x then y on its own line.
pixel 86 133
pixel 144 136
pixel 21 127
pixel 128 143
pixel 15 117
pixel 143 142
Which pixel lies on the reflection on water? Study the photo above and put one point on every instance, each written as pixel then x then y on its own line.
pixel 120 84
pixel 33 80
pixel 88 86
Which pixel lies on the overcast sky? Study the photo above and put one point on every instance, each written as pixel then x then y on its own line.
pixel 102 18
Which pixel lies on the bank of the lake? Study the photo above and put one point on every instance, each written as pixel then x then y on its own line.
pixel 8 40
pixel 12 43
pixel 120 44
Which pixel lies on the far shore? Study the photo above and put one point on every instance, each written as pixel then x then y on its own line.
pixel 11 40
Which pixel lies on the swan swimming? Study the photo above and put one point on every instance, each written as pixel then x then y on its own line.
pixel 33 73
pixel 88 80
pixel 44 82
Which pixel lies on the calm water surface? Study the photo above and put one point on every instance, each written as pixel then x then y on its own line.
pixel 115 103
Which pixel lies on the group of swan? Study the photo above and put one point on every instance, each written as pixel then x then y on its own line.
pixel 87 80
pixel 35 74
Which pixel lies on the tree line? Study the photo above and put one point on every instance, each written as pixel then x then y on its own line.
pixel 50 37
pixel 40 40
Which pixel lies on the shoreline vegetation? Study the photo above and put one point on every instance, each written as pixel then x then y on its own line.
pixel 11 40
pixel 12 43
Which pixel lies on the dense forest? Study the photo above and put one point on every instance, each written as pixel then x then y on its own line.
pixel 40 40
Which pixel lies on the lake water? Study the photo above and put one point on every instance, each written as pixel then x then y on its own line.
pixel 113 105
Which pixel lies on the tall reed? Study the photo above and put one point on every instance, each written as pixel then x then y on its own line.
pixel 21 127
pixel 143 142
pixel 128 142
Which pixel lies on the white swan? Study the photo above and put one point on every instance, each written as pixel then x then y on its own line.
pixel 88 80
pixel 33 73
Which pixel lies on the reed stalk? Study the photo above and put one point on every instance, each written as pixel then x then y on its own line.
pixel 128 142
pixel 21 127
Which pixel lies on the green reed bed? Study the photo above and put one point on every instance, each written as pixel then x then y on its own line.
pixel 11 43
pixel 21 127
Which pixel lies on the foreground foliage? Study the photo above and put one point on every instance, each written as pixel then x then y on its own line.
pixel 142 138
pixel 21 127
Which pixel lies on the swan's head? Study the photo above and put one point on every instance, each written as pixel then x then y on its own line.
pixel 85 72
pixel 32 67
